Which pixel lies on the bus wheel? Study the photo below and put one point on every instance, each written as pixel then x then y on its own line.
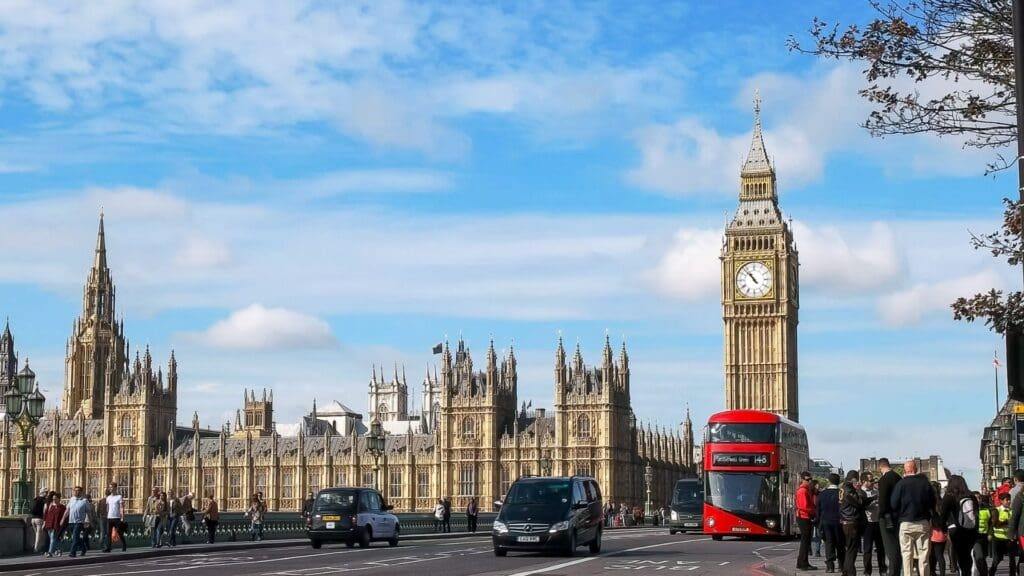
pixel 716 537
pixel 671 532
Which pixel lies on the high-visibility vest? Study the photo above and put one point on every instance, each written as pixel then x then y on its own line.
pixel 983 517
pixel 999 532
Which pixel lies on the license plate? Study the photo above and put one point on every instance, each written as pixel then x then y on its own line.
pixel 330 525
pixel 528 539
pixel 332 518
pixel 741 529
pixel 691 524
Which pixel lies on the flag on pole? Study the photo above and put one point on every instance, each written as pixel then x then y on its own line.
pixel 437 349
pixel 995 361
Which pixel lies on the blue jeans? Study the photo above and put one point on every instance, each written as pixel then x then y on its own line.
pixel 256 531
pixel 158 532
pixel 172 530
pixel 77 542
pixel 54 536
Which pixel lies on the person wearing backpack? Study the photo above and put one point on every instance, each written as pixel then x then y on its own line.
pixel 1001 543
pixel 960 509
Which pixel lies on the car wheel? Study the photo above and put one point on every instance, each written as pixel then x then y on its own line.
pixel 570 550
pixel 394 539
pixel 364 537
pixel 316 544
pixel 671 532
pixel 716 537
pixel 595 544
pixel 500 553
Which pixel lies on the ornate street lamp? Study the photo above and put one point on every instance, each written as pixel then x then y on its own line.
pixel 375 446
pixel 545 464
pixel 648 478
pixel 24 407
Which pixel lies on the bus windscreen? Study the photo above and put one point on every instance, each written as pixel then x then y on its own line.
pixel 744 492
pixel 743 433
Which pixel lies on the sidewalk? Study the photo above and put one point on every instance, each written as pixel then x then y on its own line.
pixel 781 561
pixel 41 562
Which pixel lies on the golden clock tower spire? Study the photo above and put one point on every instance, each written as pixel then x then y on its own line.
pixel 760 292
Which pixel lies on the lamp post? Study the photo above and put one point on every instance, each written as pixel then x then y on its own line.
pixel 375 446
pixel 25 407
pixel 545 464
pixel 648 478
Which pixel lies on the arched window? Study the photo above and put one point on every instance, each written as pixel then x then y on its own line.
pixel 382 412
pixel 583 426
pixel 126 427
pixel 468 427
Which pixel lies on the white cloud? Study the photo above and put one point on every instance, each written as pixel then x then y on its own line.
pixel 350 181
pixel 260 328
pixel 909 306
pixel 857 262
pixel 200 252
pixel 807 119
pixel 690 268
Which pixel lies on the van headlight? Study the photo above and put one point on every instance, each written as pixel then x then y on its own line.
pixel 560 527
pixel 499 527
pixel 771 523
pixel 675 515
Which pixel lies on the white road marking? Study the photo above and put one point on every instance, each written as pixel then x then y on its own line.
pixel 264 561
pixel 609 554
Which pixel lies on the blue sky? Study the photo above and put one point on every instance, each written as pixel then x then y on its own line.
pixel 298 191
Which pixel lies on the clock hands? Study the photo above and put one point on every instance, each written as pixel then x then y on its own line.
pixel 752 277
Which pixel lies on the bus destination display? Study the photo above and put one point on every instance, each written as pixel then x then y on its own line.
pixel 739 459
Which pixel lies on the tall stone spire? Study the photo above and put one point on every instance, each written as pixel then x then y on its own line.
pixel 758 175
pixel 100 260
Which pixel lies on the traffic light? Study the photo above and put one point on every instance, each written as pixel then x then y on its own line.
pixel 1015 364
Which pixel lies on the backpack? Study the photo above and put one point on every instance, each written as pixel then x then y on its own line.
pixel 966 515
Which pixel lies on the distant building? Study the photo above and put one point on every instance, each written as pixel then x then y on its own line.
pixel 932 467
pixel 998 450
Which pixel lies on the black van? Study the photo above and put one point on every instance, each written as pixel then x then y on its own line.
pixel 353 516
pixel 556 514
pixel 687 507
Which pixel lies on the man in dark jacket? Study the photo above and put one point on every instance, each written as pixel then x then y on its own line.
pixel 852 503
pixel 38 509
pixel 887 521
pixel 828 517
pixel 913 504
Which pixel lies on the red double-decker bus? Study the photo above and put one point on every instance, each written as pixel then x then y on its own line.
pixel 752 466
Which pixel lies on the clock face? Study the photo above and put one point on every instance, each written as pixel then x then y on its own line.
pixel 754 280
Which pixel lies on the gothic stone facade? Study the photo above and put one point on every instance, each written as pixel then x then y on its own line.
pixel 118 423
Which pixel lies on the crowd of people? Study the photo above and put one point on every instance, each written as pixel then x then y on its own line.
pixel 909 524
pixel 618 514
pixel 74 524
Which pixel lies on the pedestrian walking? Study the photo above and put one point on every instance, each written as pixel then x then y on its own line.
pixel 115 518
pixel 805 514
pixel 937 540
pixel 912 503
pixel 307 507
pixel 188 515
pixel 91 522
pixel 987 515
pixel 256 513
pixel 1001 544
pixel 852 516
pixel 1016 527
pixel 472 511
pixel 439 516
pixel 38 510
pixel 74 517
pixel 959 508
pixel 211 517
pixel 888 522
pixel 103 525
pixel 161 513
pixel 828 514
pixel 872 532
pixel 53 523
pixel 174 512
pixel 149 516
pixel 448 514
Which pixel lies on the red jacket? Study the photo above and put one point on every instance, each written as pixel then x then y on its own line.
pixel 1003 489
pixel 805 507
pixel 53 516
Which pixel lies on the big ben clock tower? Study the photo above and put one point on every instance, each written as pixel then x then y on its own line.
pixel 760 293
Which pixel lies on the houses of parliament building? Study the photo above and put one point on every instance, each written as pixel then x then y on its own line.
pixel 118 421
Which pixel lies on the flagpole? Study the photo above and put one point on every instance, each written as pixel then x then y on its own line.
pixel 995 368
